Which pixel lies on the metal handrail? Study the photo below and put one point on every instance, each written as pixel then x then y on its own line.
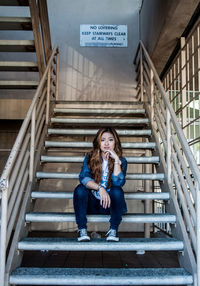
pixel 15 149
pixel 177 127
pixel 15 180
pixel 176 156
pixel 182 82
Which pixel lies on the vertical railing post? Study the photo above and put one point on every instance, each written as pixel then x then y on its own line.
pixel 57 75
pixel 183 83
pixel 32 147
pixel 169 148
pixel 198 189
pixel 3 242
pixel 147 203
pixel 48 95
pixel 151 97
pixel 141 75
pixel 198 232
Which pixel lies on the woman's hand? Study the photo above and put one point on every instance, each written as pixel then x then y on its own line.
pixel 112 154
pixel 104 198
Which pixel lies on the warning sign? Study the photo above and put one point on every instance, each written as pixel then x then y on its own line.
pixel 103 36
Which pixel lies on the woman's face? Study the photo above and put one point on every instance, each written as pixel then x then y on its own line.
pixel 107 142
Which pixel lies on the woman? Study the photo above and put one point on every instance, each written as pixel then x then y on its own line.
pixel 102 177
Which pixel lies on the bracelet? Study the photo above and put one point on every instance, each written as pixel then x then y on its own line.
pixel 99 187
pixel 118 162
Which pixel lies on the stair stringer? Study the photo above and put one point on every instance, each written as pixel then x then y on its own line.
pixel 186 258
pixel 15 257
pixel 22 228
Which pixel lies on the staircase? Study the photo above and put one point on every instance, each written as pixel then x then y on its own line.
pixel 42 171
pixel 22 62
pixel 69 138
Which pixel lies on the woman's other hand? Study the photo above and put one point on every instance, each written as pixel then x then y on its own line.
pixel 104 198
pixel 112 154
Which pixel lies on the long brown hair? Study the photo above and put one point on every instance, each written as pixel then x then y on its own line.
pixel 95 159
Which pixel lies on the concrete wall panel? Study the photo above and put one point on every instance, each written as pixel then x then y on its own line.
pixel 161 26
pixel 94 73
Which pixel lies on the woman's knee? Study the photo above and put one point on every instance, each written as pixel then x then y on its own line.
pixel 116 193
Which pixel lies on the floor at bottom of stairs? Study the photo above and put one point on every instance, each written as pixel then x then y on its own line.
pixel 70 259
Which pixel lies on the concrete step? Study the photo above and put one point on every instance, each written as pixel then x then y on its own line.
pixel 131 145
pixel 135 176
pixel 18 66
pixel 18 84
pixel 100 121
pixel 92 132
pixel 15 23
pixel 100 276
pixel 14 3
pixel 70 159
pixel 129 218
pixel 125 244
pixel 100 104
pixel 128 195
pixel 99 111
pixel 17 46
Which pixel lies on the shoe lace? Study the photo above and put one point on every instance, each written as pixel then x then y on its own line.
pixel 111 232
pixel 83 232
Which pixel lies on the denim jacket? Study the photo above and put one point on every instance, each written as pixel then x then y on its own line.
pixel 117 181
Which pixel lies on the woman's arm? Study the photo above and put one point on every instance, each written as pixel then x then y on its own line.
pixel 119 179
pixel 85 174
pixel 117 164
pixel 104 196
pixel 87 180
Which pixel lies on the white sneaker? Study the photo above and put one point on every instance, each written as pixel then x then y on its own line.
pixel 112 235
pixel 83 236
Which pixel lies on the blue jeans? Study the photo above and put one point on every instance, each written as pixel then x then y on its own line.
pixel 86 203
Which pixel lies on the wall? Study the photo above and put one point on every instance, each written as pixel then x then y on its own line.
pixel 152 20
pixel 94 73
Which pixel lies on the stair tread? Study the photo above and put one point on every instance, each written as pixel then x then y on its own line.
pixel 14 3
pixel 17 46
pixel 101 276
pixel 128 195
pixel 125 244
pixel 15 23
pixel 18 42
pixel 14 19
pixel 18 66
pixel 78 159
pixel 18 84
pixel 136 132
pixel 138 145
pixel 70 217
pixel 87 121
pixel 89 103
pixel 86 111
pixel 129 176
